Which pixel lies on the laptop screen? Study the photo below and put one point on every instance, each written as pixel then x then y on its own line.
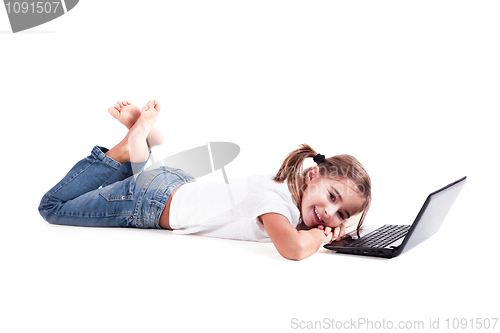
pixel 431 216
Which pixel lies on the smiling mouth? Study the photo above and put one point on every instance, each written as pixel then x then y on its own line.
pixel 316 215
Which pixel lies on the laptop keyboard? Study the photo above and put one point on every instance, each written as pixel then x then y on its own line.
pixel 381 237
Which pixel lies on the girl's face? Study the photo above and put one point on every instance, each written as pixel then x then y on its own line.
pixel 329 201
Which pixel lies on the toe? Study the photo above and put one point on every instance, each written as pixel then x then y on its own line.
pixel 114 112
pixel 149 105
pixel 157 105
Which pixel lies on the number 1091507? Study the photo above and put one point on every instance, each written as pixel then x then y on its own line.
pixel 33 7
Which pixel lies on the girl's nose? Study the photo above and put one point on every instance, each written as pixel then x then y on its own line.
pixel 328 213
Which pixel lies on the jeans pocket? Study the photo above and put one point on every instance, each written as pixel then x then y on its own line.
pixel 156 209
pixel 119 191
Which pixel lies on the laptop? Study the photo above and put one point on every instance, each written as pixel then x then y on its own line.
pixel 390 241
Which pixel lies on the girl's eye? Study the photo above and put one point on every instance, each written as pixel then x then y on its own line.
pixel 332 197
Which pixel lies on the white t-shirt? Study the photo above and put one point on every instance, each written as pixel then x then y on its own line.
pixel 231 210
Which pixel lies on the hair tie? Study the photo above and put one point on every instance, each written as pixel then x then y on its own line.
pixel 319 158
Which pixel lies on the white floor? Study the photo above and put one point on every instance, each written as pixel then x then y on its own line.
pixel 411 90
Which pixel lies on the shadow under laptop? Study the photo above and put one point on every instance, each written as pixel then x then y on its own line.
pixel 350 256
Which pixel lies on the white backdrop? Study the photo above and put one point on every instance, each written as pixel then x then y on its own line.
pixel 409 88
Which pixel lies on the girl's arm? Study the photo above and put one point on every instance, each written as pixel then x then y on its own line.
pixel 291 243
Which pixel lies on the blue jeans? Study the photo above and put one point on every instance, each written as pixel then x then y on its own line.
pixel 100 192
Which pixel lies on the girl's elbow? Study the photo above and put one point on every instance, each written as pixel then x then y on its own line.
pixel 296 256
pixel 296 253
pixel 292 256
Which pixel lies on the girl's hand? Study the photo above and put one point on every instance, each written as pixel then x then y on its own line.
pixel 333 234
pixel 326 233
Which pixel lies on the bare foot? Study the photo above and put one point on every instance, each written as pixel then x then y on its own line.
pixel 138 133
pixel 127 114
pixel 134 146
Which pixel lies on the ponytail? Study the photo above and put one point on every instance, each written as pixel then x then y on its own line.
pixel 291 170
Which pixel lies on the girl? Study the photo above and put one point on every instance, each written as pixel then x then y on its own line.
pixel 297 210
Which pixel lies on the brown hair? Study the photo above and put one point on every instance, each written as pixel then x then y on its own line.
pixel 339 166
